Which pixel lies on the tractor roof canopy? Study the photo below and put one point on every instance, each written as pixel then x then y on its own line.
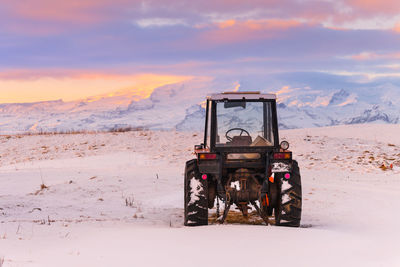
pixel 241 95
pixel 241 120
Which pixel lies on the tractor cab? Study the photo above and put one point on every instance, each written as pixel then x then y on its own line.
pixel 241 120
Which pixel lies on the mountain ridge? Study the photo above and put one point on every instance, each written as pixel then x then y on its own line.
pixel 180 106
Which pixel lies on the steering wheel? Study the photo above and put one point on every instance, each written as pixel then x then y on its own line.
pixel 230 139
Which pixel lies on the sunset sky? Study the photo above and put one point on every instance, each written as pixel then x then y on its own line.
pixel 75 49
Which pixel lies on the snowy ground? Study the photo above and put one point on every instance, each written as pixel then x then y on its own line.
pixel 116 199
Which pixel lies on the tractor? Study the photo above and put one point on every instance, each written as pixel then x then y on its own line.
pixel 242 164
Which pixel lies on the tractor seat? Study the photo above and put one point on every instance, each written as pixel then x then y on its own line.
pixel 261 141
pixel 241 141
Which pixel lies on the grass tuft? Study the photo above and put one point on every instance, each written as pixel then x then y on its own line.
pixel 129 201
pixel 43 186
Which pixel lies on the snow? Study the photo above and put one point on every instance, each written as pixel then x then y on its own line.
pixel 285 198
pixel 116 199
pixel 195 190
pixel 285 185
pixel 181 106
pixel 280 167
pixel 235 185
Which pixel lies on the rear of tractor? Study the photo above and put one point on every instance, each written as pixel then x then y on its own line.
pixel 242 164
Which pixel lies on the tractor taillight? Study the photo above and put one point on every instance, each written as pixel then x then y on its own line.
pixel 283 155
pixel 207 156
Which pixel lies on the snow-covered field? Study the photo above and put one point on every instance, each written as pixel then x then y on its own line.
pixel 116 199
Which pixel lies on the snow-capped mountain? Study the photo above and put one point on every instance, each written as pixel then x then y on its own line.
pixel 181 106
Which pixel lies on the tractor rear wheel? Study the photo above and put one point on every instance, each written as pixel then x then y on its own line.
pixel 196 203
pixel 288 211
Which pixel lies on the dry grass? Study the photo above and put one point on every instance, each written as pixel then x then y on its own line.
pixel 235 217
pixel 43 186
pixel 383 167
pixel 72 131
pixel 130 202
pixel 127 129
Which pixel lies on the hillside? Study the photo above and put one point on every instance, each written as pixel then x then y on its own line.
pixel 114 199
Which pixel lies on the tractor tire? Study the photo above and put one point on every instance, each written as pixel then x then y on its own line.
pixel 196 203
pixel 288 211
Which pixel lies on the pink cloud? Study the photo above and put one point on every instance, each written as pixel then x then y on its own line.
pixel 63 11
pixel 241 31
pixel 375 56
pixel 363 14
pixel 48 16
pixel 374 6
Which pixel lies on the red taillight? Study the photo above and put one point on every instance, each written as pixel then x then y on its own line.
pixel 207 156
pixel 204 177
pixel 283 155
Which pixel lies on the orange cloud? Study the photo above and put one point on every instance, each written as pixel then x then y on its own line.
pixel 75 86
pixel 227 24
pixel 397 28
pixel 28 74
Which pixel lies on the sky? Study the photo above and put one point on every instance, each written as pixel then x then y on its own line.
pixel 76 49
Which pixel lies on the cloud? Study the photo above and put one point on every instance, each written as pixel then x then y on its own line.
pixel 232 31
pixel 351 14
pixel 33 86
pixel 65 11
pixel 227 23
pixel 397 27
pixel 44 17
pixel 375 56
pixel 160 22
pixel 47 17
pixel 368 7
pixel 190 38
